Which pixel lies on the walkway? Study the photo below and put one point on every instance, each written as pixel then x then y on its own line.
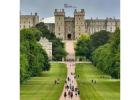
pixel 70 69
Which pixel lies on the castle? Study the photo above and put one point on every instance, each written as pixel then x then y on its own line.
pixel 27 21
pixel 70 28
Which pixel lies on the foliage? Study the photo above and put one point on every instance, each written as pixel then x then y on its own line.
pixel 33 59
pixel 103 49
pixel 107 57
pixel 98 39
pixel 58 50
pixel 87 44
pixel 82 46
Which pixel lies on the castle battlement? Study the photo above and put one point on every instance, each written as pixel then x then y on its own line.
pixel 73 27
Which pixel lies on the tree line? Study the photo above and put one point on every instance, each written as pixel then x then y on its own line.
pixel 33 59
pixel 102 49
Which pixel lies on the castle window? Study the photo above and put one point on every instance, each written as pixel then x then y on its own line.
pixel 58 33
pixel 24 26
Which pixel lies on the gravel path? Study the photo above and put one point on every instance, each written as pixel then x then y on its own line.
pixel 70 70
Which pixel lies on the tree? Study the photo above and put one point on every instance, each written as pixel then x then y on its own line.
pixel 107 56
pixel 24 66
pixel 45 32
pixel 33 59
pixel 82 46
pixel 99 38
pixel 58 50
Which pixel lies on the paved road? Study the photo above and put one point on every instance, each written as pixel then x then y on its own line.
pixel 70 69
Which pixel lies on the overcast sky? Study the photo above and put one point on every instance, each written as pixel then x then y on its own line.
pixel 93 8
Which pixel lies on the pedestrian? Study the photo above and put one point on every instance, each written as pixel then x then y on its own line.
pixel 78 76
pixel 75 89
pixel 65 81
pixel 67 87
pixel 78 92
pixel 72 88
pixel 95 82
pixel 55 82
pixel 92 81
pixel 65 94
pixel 71 95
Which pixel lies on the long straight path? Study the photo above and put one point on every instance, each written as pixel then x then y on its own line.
pixel 69 45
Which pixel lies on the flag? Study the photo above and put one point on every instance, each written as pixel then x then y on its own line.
pixel 69 6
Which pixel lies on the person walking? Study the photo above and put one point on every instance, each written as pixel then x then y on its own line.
pixel 71 95
pixel 65 95
pixel 78 92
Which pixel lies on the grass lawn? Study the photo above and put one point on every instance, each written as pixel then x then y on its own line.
pixel 104 89
pixel 43 87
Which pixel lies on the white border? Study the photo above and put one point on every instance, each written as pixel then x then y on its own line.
pixel 130 50
pixel 9 50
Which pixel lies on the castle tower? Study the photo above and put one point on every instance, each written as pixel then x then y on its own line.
pixel 79 22
pixel 36 19
pixel 59 23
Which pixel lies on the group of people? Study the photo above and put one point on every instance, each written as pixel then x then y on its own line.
pixel 70 89
pixel 93 81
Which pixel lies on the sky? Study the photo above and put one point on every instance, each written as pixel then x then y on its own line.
pixel 93 8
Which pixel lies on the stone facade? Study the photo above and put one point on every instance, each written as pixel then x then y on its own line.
pixel 47 46
pixel 27 21
pixel 72 27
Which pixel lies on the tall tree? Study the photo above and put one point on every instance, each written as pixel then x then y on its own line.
pixel 33 59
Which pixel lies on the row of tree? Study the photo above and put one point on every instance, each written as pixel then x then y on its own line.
pixel 33 59
pixel 103 49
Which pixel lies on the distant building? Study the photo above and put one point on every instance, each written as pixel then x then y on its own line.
pixel 27 21
pixel 72 27
pixel 49 22
pixel 47 46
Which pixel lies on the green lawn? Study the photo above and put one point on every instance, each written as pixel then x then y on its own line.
pixel 43 87
pixel 104 89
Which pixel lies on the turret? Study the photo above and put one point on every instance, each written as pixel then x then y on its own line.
pixel 79 22
pixel 59 23
pixel 36 18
